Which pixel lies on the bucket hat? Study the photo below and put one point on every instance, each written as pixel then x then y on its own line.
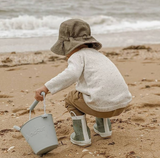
pixel 73 33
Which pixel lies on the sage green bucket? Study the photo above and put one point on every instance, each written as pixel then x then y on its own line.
pixel 39 132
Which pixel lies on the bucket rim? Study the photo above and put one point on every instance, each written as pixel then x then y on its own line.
pixel 31 120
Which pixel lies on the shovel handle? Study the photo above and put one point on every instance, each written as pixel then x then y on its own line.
pixel 35 102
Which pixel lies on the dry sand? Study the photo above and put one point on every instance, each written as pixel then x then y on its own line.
pixel 136 132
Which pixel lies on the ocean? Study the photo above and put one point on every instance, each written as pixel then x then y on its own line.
pixel 113 22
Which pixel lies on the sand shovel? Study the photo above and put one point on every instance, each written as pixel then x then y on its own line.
pixel 39 132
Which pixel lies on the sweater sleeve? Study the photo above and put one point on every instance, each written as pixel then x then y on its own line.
pixel 67 77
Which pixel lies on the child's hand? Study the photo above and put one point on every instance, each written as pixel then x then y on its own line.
pixel 38 91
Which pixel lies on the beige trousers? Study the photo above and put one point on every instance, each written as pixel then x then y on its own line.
pixel 75 102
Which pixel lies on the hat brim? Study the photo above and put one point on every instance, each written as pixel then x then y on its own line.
pixel 64 47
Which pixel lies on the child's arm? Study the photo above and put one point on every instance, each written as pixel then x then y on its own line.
pixel 69 76
pixel 63 80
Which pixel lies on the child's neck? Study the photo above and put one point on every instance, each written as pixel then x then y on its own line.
pixel 76 49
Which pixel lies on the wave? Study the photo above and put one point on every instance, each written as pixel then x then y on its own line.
pixel 30 26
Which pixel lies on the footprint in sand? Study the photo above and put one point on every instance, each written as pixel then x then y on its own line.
pixel 17 68
pixel 3 131
pixel 157 94
pixel 150 86
pixel 138 119
pixel 21 111
pixel 148 62
pixel 13 69
pixel 5 96
pixel 17 136
pixel 150 105
pixel 147 80
pixel 3 112
pixel 156 85
pixel 131 84
pixel 62 129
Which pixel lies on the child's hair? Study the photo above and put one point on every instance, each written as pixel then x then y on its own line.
pixel 90 45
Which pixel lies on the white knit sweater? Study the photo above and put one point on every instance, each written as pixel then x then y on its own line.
pixel 98 79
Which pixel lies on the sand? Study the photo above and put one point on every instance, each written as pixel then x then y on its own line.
pixel 135 131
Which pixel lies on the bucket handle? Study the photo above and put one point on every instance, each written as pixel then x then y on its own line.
pixel 36 102
pixel 34 105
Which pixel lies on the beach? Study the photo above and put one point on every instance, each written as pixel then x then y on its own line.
pixel 130 34
pixel 135 131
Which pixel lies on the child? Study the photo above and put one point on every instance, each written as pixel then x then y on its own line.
pixel 100 91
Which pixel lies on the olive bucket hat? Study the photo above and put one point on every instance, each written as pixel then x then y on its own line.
pixel 72 34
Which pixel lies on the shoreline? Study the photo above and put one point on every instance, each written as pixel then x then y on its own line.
pixel 111 40
pixel 136 52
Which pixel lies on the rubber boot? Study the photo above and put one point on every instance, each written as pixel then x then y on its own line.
pixel 81 135
pixel 103 127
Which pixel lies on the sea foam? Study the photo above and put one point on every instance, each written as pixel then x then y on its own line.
pixel 31 26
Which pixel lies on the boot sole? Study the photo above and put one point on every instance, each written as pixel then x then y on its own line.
pixel 80 143
pixel 103 135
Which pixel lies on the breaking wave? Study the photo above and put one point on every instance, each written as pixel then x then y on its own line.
pixel 29 26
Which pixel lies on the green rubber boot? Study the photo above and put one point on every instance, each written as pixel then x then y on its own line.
pixel 81 135
pixel 103 127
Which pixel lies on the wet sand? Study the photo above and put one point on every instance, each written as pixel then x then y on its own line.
pixel 135 131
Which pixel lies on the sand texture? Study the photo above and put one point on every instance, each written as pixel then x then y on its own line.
pixel 136 132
